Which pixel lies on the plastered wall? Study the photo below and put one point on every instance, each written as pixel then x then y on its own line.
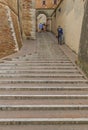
pixel 83 48
pixel 69 15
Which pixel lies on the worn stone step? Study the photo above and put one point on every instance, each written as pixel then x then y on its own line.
pixel 43 111
pixel 44 75
pixel 45 127
pixel 37 67
pixel 39 59
pixel 39 56
pixel 21 85
pixel 44 88
pixel 39 71
pixel 35 64
pixel 43 99
pixel 29 91
pixel 43 62
pixel 44 81
pixel 42 107
pixel 44 121
pixel 19 97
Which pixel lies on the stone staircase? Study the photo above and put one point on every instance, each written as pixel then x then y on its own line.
pixel 42 93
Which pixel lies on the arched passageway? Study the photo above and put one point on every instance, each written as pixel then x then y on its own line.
pixel 41 19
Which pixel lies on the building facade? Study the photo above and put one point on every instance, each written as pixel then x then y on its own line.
pixel 69 15
pixel 46 4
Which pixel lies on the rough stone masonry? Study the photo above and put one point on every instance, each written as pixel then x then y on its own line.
pixel 10 37
pixel 17 21
pixel 28 19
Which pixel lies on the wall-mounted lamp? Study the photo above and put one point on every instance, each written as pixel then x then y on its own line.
pixel 59 9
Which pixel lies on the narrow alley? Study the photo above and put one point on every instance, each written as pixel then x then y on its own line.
pixel 42 88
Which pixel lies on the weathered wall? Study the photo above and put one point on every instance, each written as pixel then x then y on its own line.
pixel 83 51
pixel 9 28
pixel 49 4
pixel 28 19
pixel 47 13
pixel 13 5
pixel 70 15
pixel 53 24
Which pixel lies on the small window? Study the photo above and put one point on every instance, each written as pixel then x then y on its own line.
pixel 44 2
pixel 54 2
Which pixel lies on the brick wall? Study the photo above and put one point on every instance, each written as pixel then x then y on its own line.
pixel 9 27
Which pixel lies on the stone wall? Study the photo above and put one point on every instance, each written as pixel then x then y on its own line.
pixel 28 19
pixel 83 51
pixel 9 28
pixel 13 4
pixel 49 4
pixel 69 15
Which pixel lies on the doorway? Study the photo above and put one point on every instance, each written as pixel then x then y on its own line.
pixel 41 19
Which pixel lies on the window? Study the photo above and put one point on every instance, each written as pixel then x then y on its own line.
pixel 54 2
pixel 44 2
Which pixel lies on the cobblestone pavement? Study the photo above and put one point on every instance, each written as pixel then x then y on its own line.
pixel 42 88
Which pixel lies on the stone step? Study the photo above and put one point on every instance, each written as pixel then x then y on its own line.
pixel 19 97
pixel 62 126
pixel 61 55
pixel 39 71
pixel 44 99
pixel 39 75
pixel 43 62
pixel 39 59
pixel 37 67
pixel 29 91
pixel 35 64
pixel 17 85
pixel 44 88
pixel 30 57
pixel 35 55
pixel 42 107
pixel 43 111
pixel 43 85
pixel 27 76
pixel 44 121
pixel 44 81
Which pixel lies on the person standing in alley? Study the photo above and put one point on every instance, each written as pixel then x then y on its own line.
pixel 40 27
pixel 60 35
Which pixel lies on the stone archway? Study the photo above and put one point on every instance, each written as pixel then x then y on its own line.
pixel 41 18
pixel 47 13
